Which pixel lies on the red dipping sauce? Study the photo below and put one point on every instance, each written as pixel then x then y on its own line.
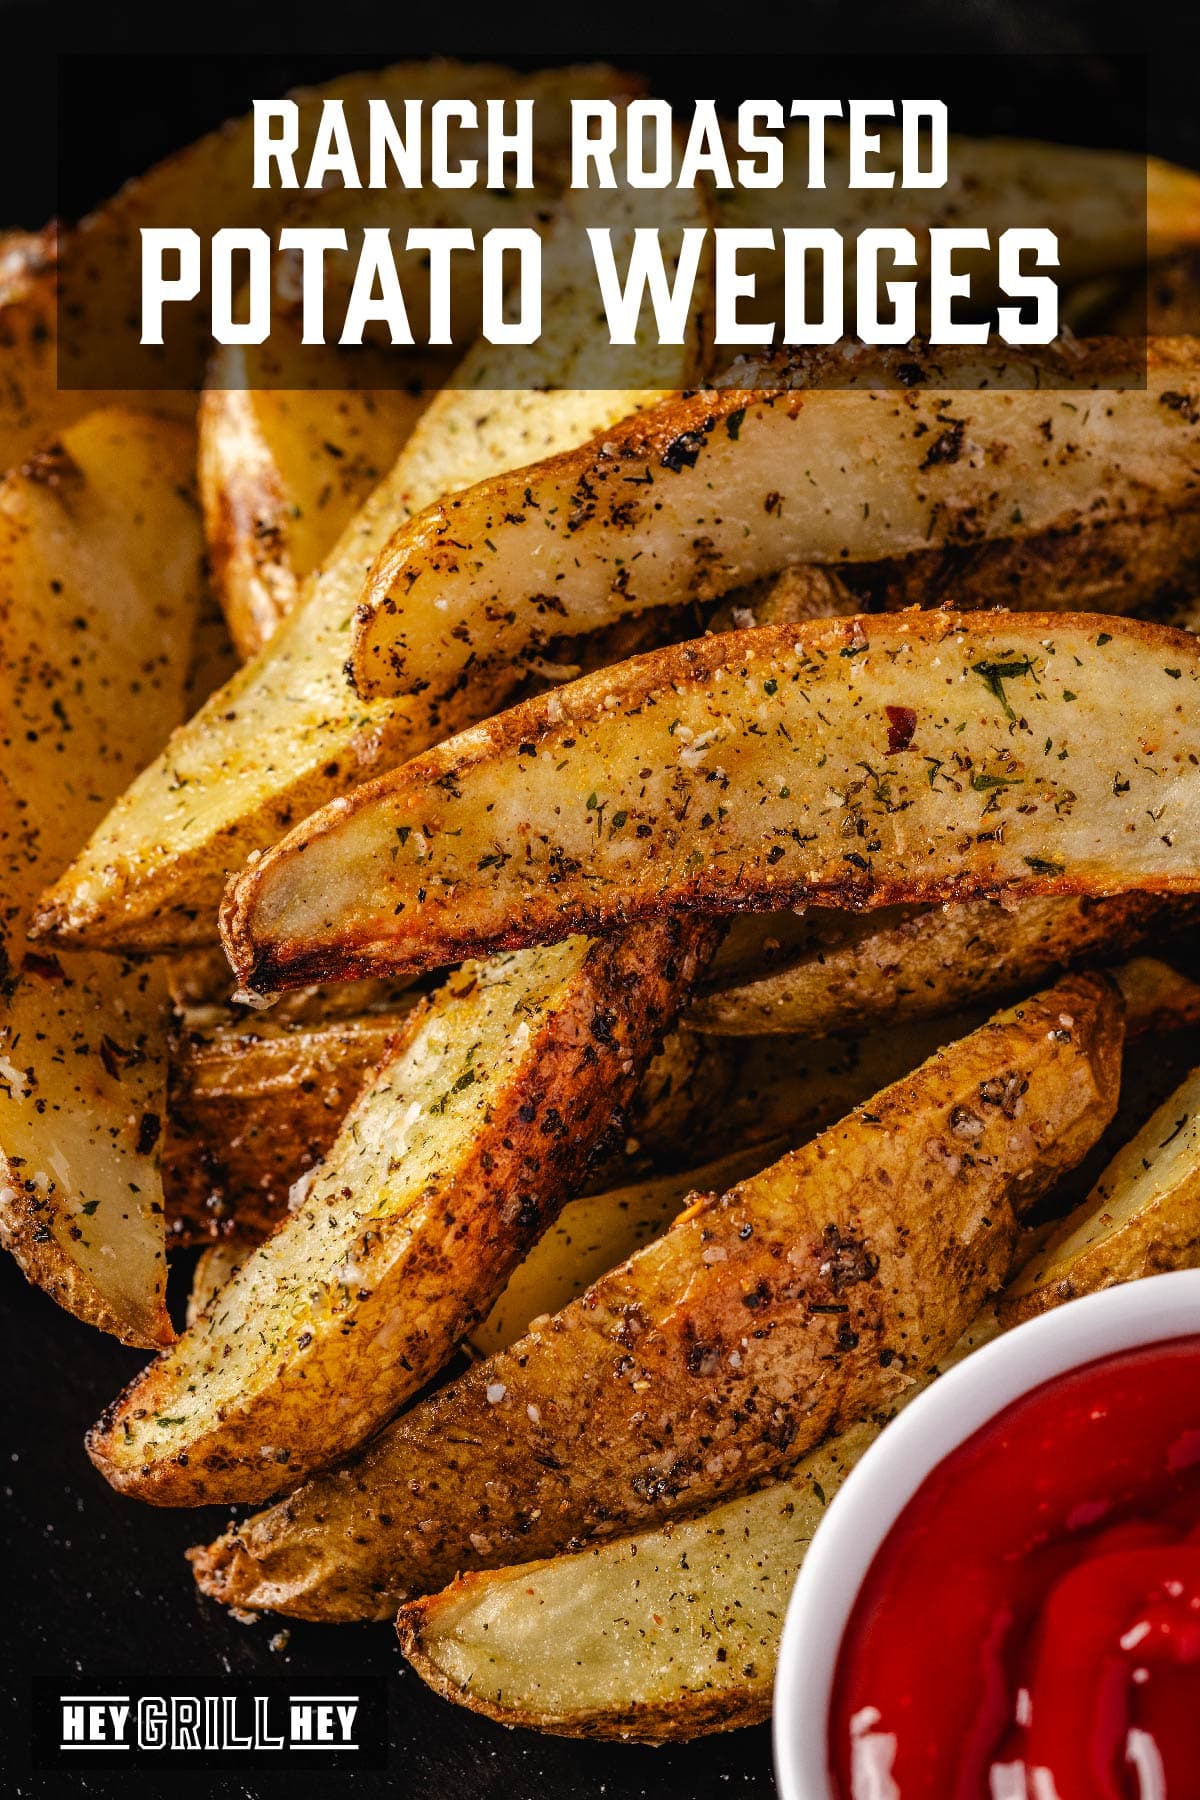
pixel 1030 1628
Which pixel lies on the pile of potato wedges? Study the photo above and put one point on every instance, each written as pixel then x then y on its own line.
pixel 670 949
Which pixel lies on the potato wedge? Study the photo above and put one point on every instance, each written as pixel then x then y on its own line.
pixel 251 1108
pixel 286 733
pixel 913 964
pixel 282 472
pixel 722 1352
pixel 101 586
pixel 33 407
pixel 663 1636
pixel 456 1155
pixel 797 1086
pixel 659 1637
pixel 773 1094
pixel 1143 1215
pixel 1157 997
pixel 592 1235
pixel 676 1632
pixel 1124 566
pixel 711 490
pixel 858 762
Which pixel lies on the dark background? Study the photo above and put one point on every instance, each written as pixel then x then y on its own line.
pixel 95 1589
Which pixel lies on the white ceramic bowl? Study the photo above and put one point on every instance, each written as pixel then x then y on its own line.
pixel 875 1493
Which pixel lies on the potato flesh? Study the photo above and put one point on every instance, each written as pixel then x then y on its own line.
pixel 101 580
pixel 286 733
pixel 852 762
pixel 1142 1216
pixel 756 480
pixel 214 1267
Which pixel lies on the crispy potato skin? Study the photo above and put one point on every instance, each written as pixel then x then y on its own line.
pixel 917 965
pixel 660 1637
pixel 1157 997
pixel 713 785
pixel 713 489
pixel 412 1226
pixel 715 1357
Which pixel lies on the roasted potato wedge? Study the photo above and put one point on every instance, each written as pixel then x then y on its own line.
pixel 860 762
pixel 282 472
pixel 797 1086
pixel 1157 997
pixel 1143 1215
pixel 34 408
pixel 913 964
pixel 783 1309
pixel 731 470
pixel 456 1155
pixel 1126 565
pixel 287 733
pixel 659 1637
pixel 666 1635
pixel 676 1632
pixel 31 408
pixel 101 587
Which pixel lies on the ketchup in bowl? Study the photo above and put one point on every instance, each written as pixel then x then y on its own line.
pixel 1030 1627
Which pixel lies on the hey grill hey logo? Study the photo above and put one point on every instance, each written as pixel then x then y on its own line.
pixel 239 1728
